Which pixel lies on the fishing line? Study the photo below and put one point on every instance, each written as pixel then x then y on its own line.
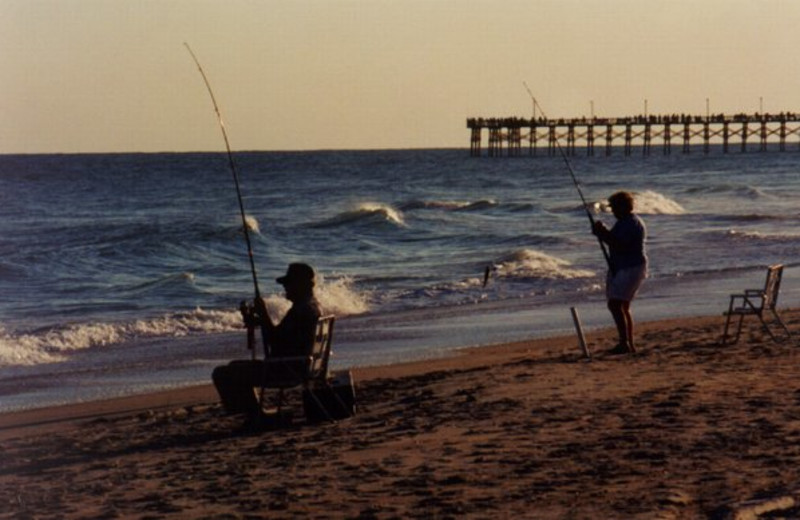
pixel 574 181
pixel 233 171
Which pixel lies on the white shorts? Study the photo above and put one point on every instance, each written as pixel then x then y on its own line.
pixel 624 284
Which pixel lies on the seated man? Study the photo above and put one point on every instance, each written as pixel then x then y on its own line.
pixel 293 336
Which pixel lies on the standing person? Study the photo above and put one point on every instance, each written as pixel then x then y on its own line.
pixel 628 265
pixel 293 336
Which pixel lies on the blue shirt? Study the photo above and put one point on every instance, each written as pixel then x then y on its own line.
pixel 627 249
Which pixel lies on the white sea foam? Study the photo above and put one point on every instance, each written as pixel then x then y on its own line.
pixel 531 263
pixel 23 350
pixel 199 321
pixel 338 297
pixel 647 203
pixel 252 224
pixel 53 345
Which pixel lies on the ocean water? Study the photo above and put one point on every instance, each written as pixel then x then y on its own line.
pixel 122 273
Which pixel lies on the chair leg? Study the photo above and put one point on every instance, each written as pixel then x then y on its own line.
pixel 765 326
pixel 725 332
pixel 739 328
pixel 782 324
pixel 318 404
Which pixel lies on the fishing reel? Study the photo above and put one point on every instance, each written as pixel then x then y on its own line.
pixel 254 314
pixel 249 314
pixel 251 318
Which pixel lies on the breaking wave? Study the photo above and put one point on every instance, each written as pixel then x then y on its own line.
pixel 233 227
pixel 750 192
pixel 523 265
pixel 479 205
pixel 528 263
pixel 737 235
pixel 53 345
pixel 450 205
pixel 647 203
pixel 755 217
pixel 173 283
pixel 365 212
pixel 336 295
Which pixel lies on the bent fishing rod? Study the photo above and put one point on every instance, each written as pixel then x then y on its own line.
pixel 232 165
pixel 574 181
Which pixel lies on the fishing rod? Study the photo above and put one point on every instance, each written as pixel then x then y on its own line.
pixel 233 171
pixel 574 181
pixel 533 100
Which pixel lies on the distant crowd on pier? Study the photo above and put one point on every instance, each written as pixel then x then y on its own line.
pixel 519 122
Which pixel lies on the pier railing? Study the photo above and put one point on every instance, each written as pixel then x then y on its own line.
pixel 740 132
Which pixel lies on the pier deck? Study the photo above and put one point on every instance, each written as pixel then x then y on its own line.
pixel 741 132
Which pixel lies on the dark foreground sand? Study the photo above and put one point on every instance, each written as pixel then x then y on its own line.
pixel 684 429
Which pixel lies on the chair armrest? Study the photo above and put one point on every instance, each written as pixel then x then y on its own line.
pixel 754 292
pixel 735 297
pixel 744 303
pixel 287 359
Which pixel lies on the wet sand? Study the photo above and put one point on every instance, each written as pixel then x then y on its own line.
pixel 686 428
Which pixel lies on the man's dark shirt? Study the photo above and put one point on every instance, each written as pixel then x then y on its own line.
pixel 294 335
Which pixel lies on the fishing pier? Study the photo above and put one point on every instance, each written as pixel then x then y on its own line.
pixel 741 132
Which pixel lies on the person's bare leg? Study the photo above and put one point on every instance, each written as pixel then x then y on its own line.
pixel 615 306
pixel 621 312
pixel 628 317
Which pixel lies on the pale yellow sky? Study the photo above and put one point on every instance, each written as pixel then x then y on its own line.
pixel 113 75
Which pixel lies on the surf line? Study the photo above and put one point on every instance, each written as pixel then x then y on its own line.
pixel 232 165
pixel 574 180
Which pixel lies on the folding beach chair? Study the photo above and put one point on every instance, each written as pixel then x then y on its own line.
pixel 283 373
pixel 756 302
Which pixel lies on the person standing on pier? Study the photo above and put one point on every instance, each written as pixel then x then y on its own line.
pixel 627 265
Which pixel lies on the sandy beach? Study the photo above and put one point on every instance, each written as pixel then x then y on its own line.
pixel 686 428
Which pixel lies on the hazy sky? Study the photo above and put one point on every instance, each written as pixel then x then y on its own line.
pixel 113 75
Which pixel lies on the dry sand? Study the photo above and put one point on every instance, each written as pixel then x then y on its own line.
pixel 684 429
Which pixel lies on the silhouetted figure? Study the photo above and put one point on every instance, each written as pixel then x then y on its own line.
pixel 293 336
pixel 628 268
